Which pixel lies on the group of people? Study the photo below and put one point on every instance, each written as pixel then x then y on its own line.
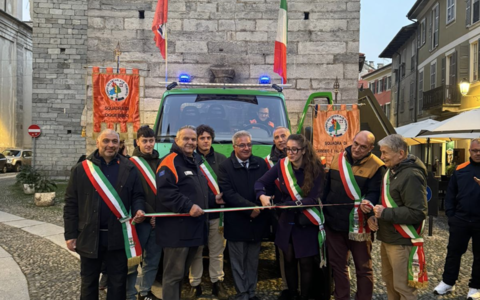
pixel 108 196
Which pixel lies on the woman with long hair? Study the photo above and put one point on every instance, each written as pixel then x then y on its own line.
pixel 301 177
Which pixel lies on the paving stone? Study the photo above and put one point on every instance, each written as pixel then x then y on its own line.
pixel 44 230
pixel 23 223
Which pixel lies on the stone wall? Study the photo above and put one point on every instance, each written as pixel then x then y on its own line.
pixel 15 81
pixel 59 57
pixel 205 33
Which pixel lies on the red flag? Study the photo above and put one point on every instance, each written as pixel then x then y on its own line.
pixel 159 26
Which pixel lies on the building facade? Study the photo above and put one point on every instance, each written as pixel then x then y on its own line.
pixel 448 45
pixel 71 36
pixel 15 76
pixel 380 83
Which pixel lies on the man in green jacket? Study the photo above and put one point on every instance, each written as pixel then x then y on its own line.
pixel 400 219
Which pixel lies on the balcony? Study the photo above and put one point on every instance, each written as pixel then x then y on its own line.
pixel 445 95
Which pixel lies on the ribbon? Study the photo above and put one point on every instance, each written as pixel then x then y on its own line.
pixel 358 228
pixel 108 193
pixel 417 265
pixel 313 214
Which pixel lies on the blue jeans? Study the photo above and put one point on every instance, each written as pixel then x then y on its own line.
pixel 151 258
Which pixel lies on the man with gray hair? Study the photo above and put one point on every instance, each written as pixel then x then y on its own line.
pixel 182 189
pixel 401 218
pixel 463 211
pixel 244 230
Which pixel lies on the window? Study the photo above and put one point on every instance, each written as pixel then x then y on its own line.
pixel 451 11
pixel 379 86
pixel 433 75
pixel 434 21
pixel 386 109
pixel 389 83
pixel 474 61
pixel 394 102
pixel 420 92
pixel 475 11
pixel 402 100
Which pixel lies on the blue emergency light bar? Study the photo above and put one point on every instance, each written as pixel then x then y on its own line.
pixel 264 79
pixel 184 78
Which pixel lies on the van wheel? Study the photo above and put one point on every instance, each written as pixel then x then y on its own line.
pixel 17 168
pixel 4 169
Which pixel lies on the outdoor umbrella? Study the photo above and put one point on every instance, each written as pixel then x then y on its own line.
pixel 466 125
pixel 411 131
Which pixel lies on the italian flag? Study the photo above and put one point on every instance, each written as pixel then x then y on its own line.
pixel 280 59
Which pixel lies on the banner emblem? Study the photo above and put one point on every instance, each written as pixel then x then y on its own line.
pixel 117 89
pixel 336 126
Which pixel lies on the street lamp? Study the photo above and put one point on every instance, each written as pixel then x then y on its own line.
pixel 336 87
pixel 464 87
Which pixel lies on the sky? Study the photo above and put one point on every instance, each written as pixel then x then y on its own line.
pixel 380 21
pixel 26 10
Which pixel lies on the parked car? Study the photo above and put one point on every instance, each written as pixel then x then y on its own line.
pixel 3 163
pixel 17 158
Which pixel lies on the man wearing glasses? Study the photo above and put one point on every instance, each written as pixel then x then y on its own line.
pixel 244 230
pixel 463 211
pixel 346 225
pixel 263 117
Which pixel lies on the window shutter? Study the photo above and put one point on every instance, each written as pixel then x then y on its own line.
pixel 419 35
pixel 430 31
pixel 453 69
pixel 463 62
pixel 468 13
pixel 443 70
pixel 437 24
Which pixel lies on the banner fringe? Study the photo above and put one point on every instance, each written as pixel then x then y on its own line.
pixel 134 261
pixel 359 237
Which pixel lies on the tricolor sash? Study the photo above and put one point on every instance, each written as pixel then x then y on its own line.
pixel 108 193
pixel 358 228
pixel 270 165
pixel 146 172
pixel 417 265
pixel 314 214
pixel 212 184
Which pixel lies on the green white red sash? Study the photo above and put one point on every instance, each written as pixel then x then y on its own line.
pixel 270 165
pixel 146 171
pixel 358 228
pixel 212 184
pixel 113 201
pixel 314 214
pixel 417 265
pixel 210 175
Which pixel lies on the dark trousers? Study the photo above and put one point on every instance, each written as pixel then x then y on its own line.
pixel 338 245
pixel 460 234
pixel 116 266
pixel 244 260
pixel 176 263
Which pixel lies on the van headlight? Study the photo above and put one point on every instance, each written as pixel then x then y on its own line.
pixel 9 160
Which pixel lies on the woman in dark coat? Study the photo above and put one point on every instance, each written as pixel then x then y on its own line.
pixel 297 240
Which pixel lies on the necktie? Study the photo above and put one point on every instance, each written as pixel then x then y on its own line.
pixel 244 164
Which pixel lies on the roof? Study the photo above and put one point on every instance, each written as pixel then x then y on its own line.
pixel 399 40
pixel 377 71
pixel 416 9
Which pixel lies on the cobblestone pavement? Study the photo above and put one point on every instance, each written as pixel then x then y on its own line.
pixel 54 274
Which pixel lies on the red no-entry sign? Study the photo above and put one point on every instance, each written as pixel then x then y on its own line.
pixel 34 131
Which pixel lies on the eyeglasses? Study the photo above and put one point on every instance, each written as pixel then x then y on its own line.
pixel 475 151
pixel 243 146
pixel 293 150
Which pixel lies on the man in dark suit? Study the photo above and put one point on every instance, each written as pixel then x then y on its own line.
pixel 244 230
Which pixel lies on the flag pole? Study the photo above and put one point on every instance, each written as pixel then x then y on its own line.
pixel 166 52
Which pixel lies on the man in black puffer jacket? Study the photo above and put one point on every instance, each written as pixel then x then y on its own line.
pixel 244 230
pixel 91 228
pixel 182 189
pixel 462 207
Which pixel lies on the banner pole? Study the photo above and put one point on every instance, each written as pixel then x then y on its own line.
pixel 166 52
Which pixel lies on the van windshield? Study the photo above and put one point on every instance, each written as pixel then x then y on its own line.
pixel 226 114
pixel 11 152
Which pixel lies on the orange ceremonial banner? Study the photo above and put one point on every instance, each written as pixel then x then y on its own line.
pixel 334 130
pixel 116 99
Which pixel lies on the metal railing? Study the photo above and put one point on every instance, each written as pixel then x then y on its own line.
pixel 442 95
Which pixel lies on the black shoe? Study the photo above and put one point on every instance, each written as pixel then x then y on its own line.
pixel 219 290
pixel 193 292
pixel 149 296
pixel 254 298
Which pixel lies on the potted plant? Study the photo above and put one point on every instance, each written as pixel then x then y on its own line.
pixel 28 176
pixel 45 191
